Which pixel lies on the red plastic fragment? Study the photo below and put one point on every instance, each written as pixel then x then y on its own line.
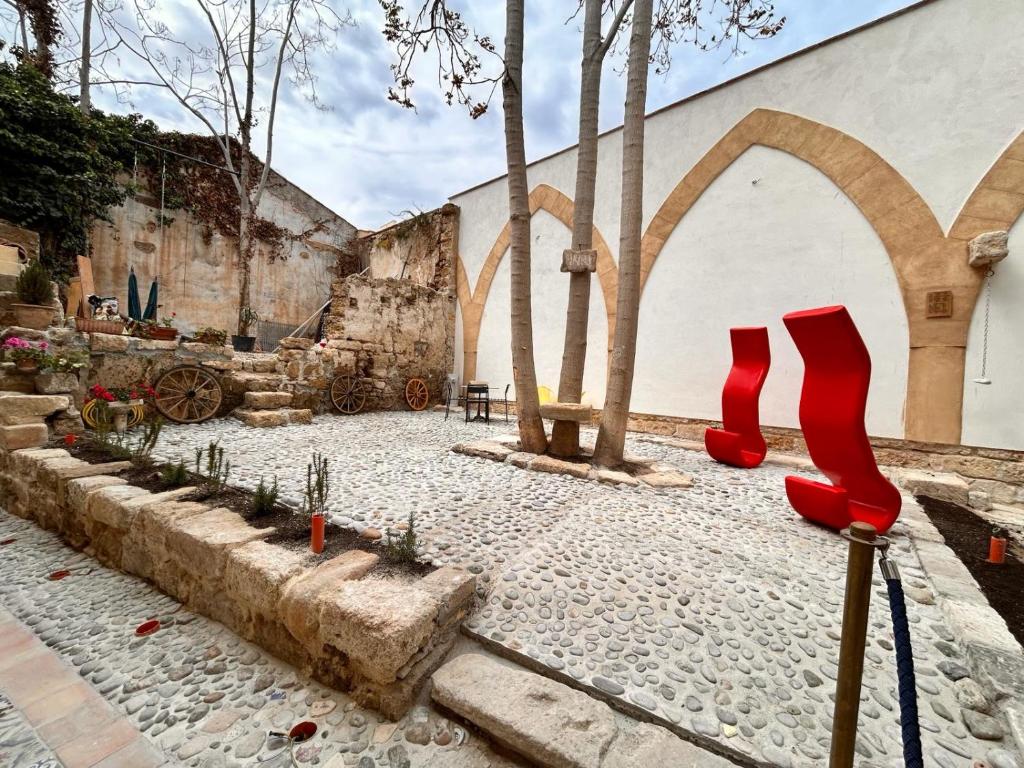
pixel 837 371
pixel 58 575
pixel 303 731
pixel 147 627
pixel 739 442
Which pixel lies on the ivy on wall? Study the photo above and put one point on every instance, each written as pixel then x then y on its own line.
pixel 58 170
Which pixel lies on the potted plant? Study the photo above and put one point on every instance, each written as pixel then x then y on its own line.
pixel 166 330
pixel 209 335
pixel 27 357
pixel 35 292
pixel 249 317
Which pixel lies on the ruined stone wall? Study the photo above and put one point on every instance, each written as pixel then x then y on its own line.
pixel 391 330
pixel 422 249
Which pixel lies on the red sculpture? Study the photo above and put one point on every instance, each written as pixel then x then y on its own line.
pixel 837 370
pixel 739 442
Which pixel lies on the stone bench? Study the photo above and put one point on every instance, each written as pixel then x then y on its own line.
pixel 581 414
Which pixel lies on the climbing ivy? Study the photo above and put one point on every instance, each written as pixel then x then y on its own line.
pixel 58 170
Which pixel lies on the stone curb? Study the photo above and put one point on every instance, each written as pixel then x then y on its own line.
pixel 614 702
pixel 995 658
pixel 576 729
pixel 379 639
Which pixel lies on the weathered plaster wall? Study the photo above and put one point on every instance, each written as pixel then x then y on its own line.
pixel 198 270
pixel 891 135
pixel 421 249
pixel 393 330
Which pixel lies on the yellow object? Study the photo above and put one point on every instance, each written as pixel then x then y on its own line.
pixel 545 395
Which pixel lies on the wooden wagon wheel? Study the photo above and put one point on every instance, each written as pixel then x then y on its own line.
pixel 417 395
pixel 348 394
pixel 188 394
pixel 96 415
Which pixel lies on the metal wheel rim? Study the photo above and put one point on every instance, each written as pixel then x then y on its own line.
pixel 188 394
pixel 417 394
pixel 348 394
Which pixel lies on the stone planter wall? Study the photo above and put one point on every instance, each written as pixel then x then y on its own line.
pixel 378 638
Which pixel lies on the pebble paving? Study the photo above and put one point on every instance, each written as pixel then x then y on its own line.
pixel 714 609
pixel 203 695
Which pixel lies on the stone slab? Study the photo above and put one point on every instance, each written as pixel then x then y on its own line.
pixel 942 486
pixel 543 720
pixel 15 407
pixel 559 467
pixel 484 449
pixel 264 400
pixel 13 438
pixel 580 414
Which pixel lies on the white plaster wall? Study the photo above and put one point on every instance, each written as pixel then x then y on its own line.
pixel 746 254
pixel 494 362
pixel 993 414
pixel 938 92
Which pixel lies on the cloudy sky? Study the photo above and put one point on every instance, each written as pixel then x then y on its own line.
pixel 369 159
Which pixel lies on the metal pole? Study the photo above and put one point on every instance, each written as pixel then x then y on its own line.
pixel 851 649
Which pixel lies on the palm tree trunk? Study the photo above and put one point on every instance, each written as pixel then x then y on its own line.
pixel 531 428
pixel 611 437
pixel 565 437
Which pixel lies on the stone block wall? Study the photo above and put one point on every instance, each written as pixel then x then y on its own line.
pixel 378 638
pixel 389 331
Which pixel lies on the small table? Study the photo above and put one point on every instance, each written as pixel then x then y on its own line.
pixel 478 392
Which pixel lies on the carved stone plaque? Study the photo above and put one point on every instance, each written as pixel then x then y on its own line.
pixel 579 261
pixel 939 304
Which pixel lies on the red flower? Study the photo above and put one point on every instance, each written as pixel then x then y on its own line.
pixel 70 439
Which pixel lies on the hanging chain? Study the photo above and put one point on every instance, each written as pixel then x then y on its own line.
pixel 988 306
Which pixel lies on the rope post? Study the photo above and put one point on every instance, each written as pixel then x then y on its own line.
pixel 854 636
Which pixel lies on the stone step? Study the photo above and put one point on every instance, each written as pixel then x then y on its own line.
pixel 244 381
pixel 262 401
pixel 276 418
pixel 575 730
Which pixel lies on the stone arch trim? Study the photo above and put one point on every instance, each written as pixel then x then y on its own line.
pixel 923 259
pixel 558 204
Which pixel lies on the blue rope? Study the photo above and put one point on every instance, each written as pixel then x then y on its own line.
pixel 905 673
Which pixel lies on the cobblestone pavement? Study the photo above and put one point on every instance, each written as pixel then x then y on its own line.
pixel 715 610
pixel 196 690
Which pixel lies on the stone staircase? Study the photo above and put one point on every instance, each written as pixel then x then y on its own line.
pixel 263 405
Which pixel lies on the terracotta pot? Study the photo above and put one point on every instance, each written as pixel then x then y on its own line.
pixel 33 316
pixel 316 539
pixel 88 325
pixel 996 550
pixel 163 333
pixel 26 365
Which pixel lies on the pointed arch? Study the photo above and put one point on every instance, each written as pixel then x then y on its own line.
pixel 558 204
pixel 921 256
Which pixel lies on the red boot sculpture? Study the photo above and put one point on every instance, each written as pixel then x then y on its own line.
pixel 739 442
pixel 837 370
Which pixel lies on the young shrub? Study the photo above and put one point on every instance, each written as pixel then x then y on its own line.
pixel 174 475
pixel 217 471
pixel 33 286
pixel 265 498
pixel 403 546
pixel 318 486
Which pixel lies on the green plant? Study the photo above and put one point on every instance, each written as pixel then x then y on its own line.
pixel 209 335
pixel 215 476
pixel 34 285
pixel 265 498
pixel 248 315
pixel 168 322
pixel 134 446
pixel 66 362
pixel 403 546
pixel 174 475
pixel 318 486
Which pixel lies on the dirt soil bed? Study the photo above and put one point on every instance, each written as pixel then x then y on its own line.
pixel 968 536
pixel 293 527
